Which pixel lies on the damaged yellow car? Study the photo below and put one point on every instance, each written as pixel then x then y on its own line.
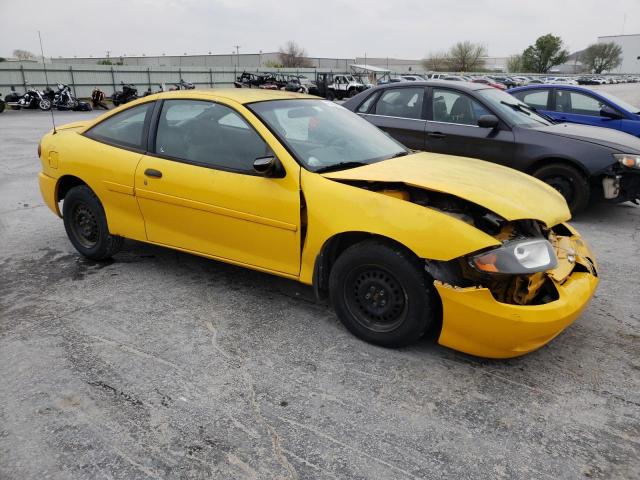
pixel 401 243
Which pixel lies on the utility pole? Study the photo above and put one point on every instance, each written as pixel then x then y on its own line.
pixel 237 47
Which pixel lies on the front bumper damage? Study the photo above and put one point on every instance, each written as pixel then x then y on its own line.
pixel 475 322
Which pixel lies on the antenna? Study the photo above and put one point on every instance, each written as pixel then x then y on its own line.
pixel 46 79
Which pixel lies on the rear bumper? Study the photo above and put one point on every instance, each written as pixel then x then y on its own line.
pixel 48 191
pixel 475 323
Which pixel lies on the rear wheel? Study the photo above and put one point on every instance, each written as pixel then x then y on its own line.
pixel 86 224
pixel 331 95
pixel 45 104
pixel 380 293
pixel 569 181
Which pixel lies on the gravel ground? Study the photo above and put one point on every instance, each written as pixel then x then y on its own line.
pixel 165 365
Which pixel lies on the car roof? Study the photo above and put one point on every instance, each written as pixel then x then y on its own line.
pixel 469 86
pixel 240 95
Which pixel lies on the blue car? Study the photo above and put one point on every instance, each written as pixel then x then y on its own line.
pixel 573 104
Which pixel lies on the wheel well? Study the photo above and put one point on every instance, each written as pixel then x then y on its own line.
pixel 65 184
pixel 332 249
pixel 551 160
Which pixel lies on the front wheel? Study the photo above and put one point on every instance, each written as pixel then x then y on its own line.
pixel 569 181
pixel 381 294
pixel 44 104
pixel 86 224
pixel 331 95
pixel 2 105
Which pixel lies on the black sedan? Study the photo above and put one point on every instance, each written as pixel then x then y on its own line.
pixel 474 120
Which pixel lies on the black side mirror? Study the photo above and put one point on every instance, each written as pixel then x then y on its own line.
pixel 267 166
pixel 488 121
pixel 610 113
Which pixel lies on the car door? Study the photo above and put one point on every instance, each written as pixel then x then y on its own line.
pixel 399 112
pixel 452 128
pixel 580 107
pixel 116 145
pixel 197 189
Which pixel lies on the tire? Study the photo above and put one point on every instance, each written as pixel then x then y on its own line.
pixel 331 95
pixel 381 294
pixel 2 106
pixel 86 224
pixel 352 93
pixel 569 181
pixel 44 104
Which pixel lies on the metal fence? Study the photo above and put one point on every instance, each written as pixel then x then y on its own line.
pixel 83 79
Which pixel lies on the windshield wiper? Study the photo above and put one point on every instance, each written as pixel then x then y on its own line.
pixel 399 154
pixel 340 166
pixel 527 109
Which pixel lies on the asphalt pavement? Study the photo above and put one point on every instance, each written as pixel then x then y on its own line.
pixel 165 365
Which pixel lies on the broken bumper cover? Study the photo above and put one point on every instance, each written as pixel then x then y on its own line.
pixel 475 323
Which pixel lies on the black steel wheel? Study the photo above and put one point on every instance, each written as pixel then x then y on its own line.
pixel 86 224
pixel 375 298
pixel 569 182
pixel 382 294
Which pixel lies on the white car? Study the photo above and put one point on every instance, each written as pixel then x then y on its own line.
pixel 561 81
pixel 412 78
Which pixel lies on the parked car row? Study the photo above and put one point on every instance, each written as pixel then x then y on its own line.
pixel 475 120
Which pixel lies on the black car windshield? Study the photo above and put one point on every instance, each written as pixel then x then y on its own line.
pixel 513 110
pixel 323 135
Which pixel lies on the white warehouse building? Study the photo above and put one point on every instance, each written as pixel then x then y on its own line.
pixel 630 51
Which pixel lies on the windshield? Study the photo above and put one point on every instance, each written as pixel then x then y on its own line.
pixel 322 134
pixel 515 111
pixel 621 103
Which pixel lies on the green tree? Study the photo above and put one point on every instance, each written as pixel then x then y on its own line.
pixel 467 57
pixel 544 54
pixel 514 64
pixel 601 57
pixel 272 64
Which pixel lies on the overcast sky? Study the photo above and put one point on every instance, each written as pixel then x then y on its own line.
pixel 325 28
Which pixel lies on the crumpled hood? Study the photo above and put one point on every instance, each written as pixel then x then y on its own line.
pixel 507 192
pixel 607 137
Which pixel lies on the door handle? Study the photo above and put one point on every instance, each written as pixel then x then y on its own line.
pixel 436 135
pixel 152 172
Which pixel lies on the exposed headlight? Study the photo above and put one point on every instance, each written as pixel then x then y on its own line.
pixel 628 160
pixel 517 258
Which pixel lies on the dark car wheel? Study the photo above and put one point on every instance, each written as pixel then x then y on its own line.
pixel 381 294
pixel 569 181
pixel 331 95
pixel 86 224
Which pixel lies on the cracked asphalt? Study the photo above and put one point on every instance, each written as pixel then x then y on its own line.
pixel 165 365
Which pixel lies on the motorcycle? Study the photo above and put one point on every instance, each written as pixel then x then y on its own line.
pixel 2 105
pixel 127 94
pixel 97 99
pixel 63 99
pixel 182 85
pixel 31 99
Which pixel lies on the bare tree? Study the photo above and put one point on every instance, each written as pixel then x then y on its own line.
pixel 466 56
pixel 514 64
pixel 24 55
pixel 601 57
pixel 293 55
pixel 436 62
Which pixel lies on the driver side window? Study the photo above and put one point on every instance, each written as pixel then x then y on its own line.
pixel 208 134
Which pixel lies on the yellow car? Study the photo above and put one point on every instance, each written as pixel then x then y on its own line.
pixel 402 243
